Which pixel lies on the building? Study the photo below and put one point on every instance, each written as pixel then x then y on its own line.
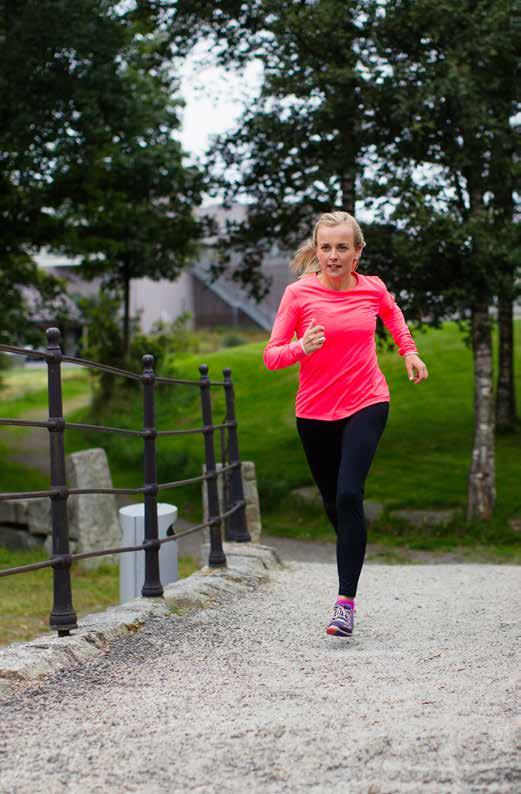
pixel 220 302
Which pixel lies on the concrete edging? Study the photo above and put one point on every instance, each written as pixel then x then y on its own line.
pixel 248 567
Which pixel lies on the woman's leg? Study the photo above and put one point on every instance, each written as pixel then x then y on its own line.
pixel 322 443
pixel 361 435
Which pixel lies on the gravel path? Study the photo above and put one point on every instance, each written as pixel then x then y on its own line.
pixel 255 697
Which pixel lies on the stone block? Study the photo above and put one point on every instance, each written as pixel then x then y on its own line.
pixel 372 511
pixel 8 512
pixel 307 495
pixel 93 518
pixel 424 518
pixel 251 495
pixel 38 512
pixel 73 548
pixel 18 539
pixel 310 495
pixel 31 514
pixel 22 510
pixel 515 523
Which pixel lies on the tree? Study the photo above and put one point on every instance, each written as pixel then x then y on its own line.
pixel 299 149
pixel 134 217
pixel 504 177
pixel 406 91
pixel 85 126
pixel 448 113
pixel 54 56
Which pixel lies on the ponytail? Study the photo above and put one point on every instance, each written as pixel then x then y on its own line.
pixel 305 259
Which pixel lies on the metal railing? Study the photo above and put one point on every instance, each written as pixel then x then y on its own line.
pixel 63 617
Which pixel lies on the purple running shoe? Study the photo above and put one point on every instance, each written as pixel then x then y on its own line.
pixel 342 621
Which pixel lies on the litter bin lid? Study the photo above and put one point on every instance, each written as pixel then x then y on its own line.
pixel 138 510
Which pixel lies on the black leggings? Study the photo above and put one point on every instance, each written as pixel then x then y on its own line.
pixel 339 454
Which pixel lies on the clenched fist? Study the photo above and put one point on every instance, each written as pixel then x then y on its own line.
pixel 313 338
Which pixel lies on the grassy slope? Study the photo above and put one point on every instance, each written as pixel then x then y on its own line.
pixel 422 460
pixel 23 392
pixel 27 599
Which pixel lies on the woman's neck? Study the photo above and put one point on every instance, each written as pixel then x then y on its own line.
pixel 343 284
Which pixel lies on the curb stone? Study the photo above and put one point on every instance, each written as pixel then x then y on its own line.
pixel 248 567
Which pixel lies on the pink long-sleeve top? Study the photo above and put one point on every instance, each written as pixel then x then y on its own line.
pixel 343 376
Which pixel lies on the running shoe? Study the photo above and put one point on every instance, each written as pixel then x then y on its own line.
pixel 342 621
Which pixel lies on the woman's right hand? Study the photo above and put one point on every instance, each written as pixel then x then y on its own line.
pixel 313 337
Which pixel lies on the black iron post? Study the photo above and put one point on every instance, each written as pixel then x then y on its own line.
pixel 238 525
pixel 226 501
pixel 152 585
pixel 217 557
pixel 63 617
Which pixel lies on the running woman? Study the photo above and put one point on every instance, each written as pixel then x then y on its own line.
pixel 342 402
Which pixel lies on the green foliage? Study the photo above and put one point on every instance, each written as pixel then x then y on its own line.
pixel 135 217
pixel 6 362
pixel 402 110
pixel 89 165
pixel 302 143
pixel 232 340
pixel 54 60
pixel 103 341
pixel 164 340
pixel 446 132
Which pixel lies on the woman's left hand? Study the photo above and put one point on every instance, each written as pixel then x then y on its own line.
pixel 416 369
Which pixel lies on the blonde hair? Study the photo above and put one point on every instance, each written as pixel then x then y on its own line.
pixel 305 259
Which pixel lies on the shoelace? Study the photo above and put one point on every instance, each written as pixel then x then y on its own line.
pixel 342 612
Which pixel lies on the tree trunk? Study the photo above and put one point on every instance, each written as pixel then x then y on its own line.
pixel 506 395
pixel 482 475
pixel 348 154
pixel 126 317
pixel 347 186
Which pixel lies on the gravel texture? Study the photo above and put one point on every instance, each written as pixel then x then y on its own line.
pixel 253 696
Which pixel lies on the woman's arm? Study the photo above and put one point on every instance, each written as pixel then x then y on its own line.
pixel 393 319
pixel 281 351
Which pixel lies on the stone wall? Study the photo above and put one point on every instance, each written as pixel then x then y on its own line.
pixel 93 518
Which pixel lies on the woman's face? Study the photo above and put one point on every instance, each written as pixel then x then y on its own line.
pixel 336 250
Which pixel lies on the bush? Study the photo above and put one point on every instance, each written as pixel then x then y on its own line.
pixel 164 339
pixel 233 340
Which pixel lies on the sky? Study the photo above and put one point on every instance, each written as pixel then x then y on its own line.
pixel 214 98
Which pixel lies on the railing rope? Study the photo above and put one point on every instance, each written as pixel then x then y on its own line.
pixel 217 557
pixel 63 617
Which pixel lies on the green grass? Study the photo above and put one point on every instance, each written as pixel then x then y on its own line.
pixel 25 390
pixel 16 477
pixel 23 393
pixel 422 460
pixel 27 598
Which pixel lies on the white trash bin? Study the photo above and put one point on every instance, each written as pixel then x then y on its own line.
pixel 132 563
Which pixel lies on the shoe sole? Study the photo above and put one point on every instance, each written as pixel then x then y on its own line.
pixel 333 631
